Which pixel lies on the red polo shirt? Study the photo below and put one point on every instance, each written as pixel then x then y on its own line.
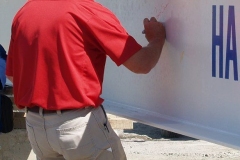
pixel 58 51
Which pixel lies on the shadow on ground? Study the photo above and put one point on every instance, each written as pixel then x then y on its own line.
pixel 153 132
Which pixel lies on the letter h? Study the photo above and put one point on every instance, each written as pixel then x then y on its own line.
pixel 217 40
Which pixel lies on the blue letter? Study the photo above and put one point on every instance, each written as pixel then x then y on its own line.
pixel 217 41
pixel 231 36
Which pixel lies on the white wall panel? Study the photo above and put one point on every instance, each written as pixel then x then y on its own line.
pixel 181 94
pixel 8 8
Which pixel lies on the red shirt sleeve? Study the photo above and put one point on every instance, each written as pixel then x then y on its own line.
pixel 113 38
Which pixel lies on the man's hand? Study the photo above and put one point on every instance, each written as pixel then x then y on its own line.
pixel 145 59
pixel 153 29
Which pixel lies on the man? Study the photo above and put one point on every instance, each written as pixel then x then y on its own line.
pixel 56 61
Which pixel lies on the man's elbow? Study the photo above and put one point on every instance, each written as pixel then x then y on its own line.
pixel 140 64
pixel 140 69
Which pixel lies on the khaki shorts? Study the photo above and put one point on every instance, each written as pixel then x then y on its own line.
pixel 83 134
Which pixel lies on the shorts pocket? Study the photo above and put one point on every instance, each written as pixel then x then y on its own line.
pixel 33 141
pixel 75 139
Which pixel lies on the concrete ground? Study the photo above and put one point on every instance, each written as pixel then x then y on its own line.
pixel 145 143
pixel 140 142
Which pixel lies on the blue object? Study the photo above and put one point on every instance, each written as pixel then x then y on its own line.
pixel 3 53
pixel 0 114
pixel 3 57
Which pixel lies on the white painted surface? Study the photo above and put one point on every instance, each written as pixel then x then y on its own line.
pixel 8 8
pixel 180 93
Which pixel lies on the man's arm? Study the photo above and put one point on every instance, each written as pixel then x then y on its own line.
pixel 145 59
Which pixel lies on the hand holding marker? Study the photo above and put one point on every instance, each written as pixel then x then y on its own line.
pixel 153 29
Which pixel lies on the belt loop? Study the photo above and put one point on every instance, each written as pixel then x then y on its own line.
pixel 41 111
pixel 59 112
